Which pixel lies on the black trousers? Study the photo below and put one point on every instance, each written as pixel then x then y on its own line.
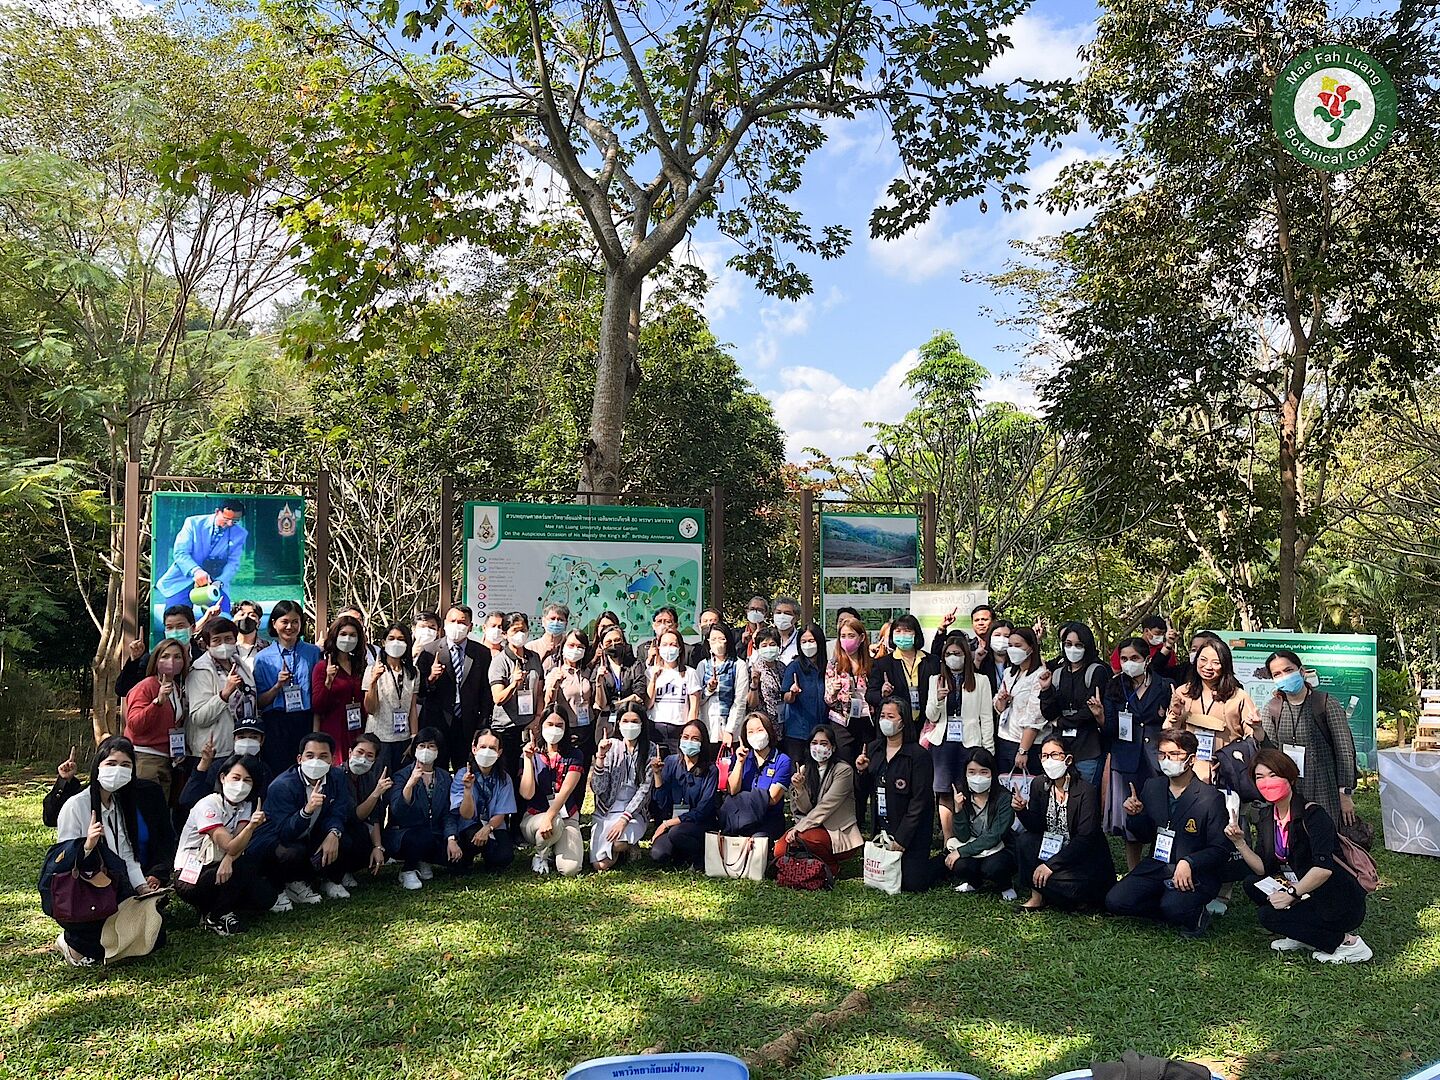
pixel 1144 893
pixel 996 870
pixel 1335 909
pixel 415 846
pixel 292 862
pixel 246 890
pixel 497 853
pixel 684 845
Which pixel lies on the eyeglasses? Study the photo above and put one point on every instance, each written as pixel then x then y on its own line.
pixel 1053 757
pixel 1173 755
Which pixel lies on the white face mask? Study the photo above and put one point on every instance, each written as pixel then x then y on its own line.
pixel 114 777
pixel 1074 653
pixel 630 729
pixel 494 635
pixel 1017 653
pixel 809 648
pixel 222 652
pixel 247 746
pixel 820 752
pixel 954 663
pixel 888 727
pixel 669 653
pixel 426 755
pixel 1156 639
pixel 977 784
pixel 518 640
pixel 768 653
pixel 236 790
pixel 1133 668
pixel 486 757
pixel 783 622
pixel 397 649
pixel 1054 769
pixel 755 616
pixel 314 768
pixel 359 765
pixel 574 654
pixel 346 643
pixel 999 643
pixel 423 635
pixel 758 740
pixel 552 734
pixel 456 632
pixel 1172 769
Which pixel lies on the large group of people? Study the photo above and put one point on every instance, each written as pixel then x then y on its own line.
pixel 257 772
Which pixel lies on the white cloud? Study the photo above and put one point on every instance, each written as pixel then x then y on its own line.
pixel 1041 48
pixel 727 287
pixel 922 253
pixel 781 319
pixel 815 408
pixel 1012 387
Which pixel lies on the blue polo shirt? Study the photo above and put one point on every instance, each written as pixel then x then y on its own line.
pixel 300 660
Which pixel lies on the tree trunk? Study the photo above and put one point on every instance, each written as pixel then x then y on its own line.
pixel 616 380
pixel 106 666
pixel 1289 465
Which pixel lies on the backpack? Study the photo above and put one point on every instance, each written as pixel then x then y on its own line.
pixel 1355 859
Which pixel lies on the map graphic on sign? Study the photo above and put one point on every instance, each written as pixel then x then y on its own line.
pixel 634 589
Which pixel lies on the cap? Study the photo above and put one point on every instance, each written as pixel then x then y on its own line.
pixel 254 724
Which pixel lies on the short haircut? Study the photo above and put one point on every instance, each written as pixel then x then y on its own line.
pixel 281 610
pixel 235 506
pixel 370 740
pixel 185 611
pixel 464 609
pixel 1185 740
pixel 983 607
pixel 1279 763
pixel 322 737
pixel 667 609
pixel 1154 622
pixel 562 610
pixel 428 616
pixel 786 601
pixel 222 625
pixel 517 618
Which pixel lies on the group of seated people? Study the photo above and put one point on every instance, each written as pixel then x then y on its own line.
pixel 906 744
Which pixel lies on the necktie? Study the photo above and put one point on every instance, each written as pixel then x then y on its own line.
pixel 458 658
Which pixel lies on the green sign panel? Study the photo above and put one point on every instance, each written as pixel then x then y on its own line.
pixel 1334 107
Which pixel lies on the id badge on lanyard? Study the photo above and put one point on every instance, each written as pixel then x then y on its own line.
pixel 1050 845
pixel 1164 844
pixel 858 707
pixel 1127 725
pixel 880 801
pixel 1205 741
pixel 1297 755
pixel 294 700
pixel 177 742
pixel 190 874
pixel 353 717
pixel 399 722
pixel 955 729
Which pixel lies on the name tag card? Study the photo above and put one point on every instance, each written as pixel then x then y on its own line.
pixel 177 742
pixel 680 809
pixel 352 717
pixel 1206 741
pixel 294 700
pixel 914 699
pixel 525 703
pixel 1127 726
pixel 582 717
pixel 190 872
pixel 1069 732
pixel 399 722
pixel 880 801
pixel 1297 755
pixel 955 729
pixel 1050 845
pixel 858 708
pixel 1164 844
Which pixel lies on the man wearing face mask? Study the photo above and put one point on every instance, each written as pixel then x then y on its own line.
pixel 179 626
pixel 786 613
pixel 1185 818
pixel 248 740
pixel 247 618
pixel 554 622
pixel 647 653
pixel 424 630
pixel 709 619
pixel 757 614
pixel 454 692
pixel 221 689
pixel 306 809
pixel 1160 639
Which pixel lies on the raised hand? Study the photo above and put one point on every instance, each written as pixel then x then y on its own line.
pixel 135 649
pixel 1097 707
pixel 468 780
pixel 436 669
pixel 329 676
pixel 1047 678
pixel 862 761
pixel 285 678
pixel 949 619
pixel 316 800
pixel 67 768
pixel 257 819
pixel 94 834
pixel 384 784
pixel 207 754
pixel 1018 801
pixel 1134 804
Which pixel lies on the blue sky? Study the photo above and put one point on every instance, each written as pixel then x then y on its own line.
pixel 838 358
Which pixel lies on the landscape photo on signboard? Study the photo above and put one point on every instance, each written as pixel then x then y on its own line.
pixel 869 541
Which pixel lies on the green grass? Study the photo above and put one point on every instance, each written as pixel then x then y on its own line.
pixel 520 978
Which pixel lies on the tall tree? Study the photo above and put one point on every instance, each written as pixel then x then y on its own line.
pixel 649 117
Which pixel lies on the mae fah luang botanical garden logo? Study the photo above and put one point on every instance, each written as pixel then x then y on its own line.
pixel 1334 107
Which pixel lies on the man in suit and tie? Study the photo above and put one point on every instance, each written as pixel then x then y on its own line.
pixel 207 549
pixel 454 686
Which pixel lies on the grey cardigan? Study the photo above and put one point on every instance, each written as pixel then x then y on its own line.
pixel 617 787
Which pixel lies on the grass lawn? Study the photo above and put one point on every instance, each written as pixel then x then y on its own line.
pixel 520 978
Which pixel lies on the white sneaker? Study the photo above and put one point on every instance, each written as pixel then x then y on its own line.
pixel 1009 896
pixel 333 891
pixel 282 904
pixel 301 893
pixel 349 881
pixel 409 879
pixel 540 863
pixel 425 871
pixel 1288 944
pixel 1217 906
pixel 73 958
pixel 964 886
pixel 1357 953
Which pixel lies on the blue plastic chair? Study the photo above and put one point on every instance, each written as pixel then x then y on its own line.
pixel 1086 1074
pixel 1430 1073
pixel 642 1066
pixel 907 1076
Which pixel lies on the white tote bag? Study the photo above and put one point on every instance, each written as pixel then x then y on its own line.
pixel 736 856
pixel 882 865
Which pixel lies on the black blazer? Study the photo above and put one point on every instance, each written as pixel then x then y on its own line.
pixel 1082 815
pixel 437 699
pixel 151 804
pixel 1313 842
pixel 893 668
pixel 909 798
pixel 1199 820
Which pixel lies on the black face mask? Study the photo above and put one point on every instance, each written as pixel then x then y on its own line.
pixel 247 625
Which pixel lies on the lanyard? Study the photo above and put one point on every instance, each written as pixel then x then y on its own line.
pixel 1132 699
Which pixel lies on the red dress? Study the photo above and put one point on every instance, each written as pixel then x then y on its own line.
pixel 332 704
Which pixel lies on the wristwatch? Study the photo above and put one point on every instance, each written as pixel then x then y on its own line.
pixel 1347 791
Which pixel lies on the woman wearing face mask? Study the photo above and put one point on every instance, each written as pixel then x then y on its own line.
pixel 336 685
pixel 481 806
pixel 847 682
pixel 1302 890
pixel 605 622
pixel 392 701
pixel 803 687
pixel 426 629
pixel 282 681
pixel 899 772
pixel 516 679
pixel 117 825
pixel 621 783
pixel 247 617
pixel 1310 727
pixel 767 694
pixel 214 877
pixel 959 720
pixel 723 679
pixel 1074 702
pixel 615 679
pixel 823 790
pixel 221 691
pixel 1136 703
pixel 673 690
pixel 979 853
pixel 156 711
pixel 554 621
pixel 684 800
pixel 1062 853
pixel 1017 704
pixel 1214 706
pixel 568 689
pixel 419 804
pixel 759 778
pixel 550 791
pixel 363 847
pixel 904 671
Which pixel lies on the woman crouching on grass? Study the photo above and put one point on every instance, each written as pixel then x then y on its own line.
pixel 622 786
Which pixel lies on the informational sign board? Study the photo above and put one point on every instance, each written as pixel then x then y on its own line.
pixel 931 603
pixel 868 562
pixel 213 550
pixel 632 560
pixel 1343 666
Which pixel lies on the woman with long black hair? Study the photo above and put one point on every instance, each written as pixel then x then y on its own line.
pixel 1074 703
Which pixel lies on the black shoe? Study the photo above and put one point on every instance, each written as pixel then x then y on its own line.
pixel 226 925
pixel 1201 925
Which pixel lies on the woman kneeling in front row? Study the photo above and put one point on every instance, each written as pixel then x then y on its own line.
pixel 979 855
pixel 823 790
pixel 1062 852
pixel 1303 891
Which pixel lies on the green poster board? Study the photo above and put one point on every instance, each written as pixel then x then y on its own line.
pixel 868 562
pixel 632 560
pixel 1344 665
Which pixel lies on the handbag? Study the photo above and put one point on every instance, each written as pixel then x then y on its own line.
pixel 882 865
pixel 74 899
pixel 798 868
pixel 1017 781
pixel 1357 860
pixel 736 856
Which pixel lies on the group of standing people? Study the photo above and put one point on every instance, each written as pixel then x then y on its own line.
pixel 257 775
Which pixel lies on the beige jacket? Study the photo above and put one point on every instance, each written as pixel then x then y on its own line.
pixel 833 811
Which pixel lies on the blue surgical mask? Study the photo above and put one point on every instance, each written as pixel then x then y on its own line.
pixel 1291 683
pixel 182 635
pixel 555 627
pixel 690 747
